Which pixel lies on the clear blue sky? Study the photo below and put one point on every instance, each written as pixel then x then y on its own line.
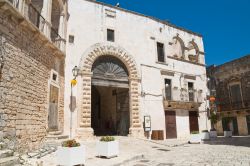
pixel 224 24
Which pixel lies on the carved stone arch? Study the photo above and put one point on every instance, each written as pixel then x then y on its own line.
pixel 182 45
pixel 234 79
pixel 193 52
pixel 86 63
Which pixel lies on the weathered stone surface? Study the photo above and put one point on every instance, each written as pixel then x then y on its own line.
pixel 24 85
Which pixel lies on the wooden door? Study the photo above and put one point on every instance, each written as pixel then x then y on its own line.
pixel 193 121
pixel 122 112
pixel 53 108
pixel 170 120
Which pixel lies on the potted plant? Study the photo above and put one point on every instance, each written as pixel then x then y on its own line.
pixel 71 153
pixel 107 147
pixel 213 119
pixel 205 135
pixel 227 131
pixel 195 137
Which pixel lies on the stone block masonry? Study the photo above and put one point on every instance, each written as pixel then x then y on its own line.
pixel 25 76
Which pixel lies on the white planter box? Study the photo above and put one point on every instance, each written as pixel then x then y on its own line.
pixel 71 156
pixel 228 133
pixel 213 134
pixel 205 136
pixel 107 149
pixel 195 138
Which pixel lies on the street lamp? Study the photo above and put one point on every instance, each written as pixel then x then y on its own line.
pixel 72 83
pixel 75 71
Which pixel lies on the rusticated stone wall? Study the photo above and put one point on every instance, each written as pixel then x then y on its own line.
pixel 26 67
pixel 104 49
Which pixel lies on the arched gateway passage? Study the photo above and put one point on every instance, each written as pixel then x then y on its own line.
pixel 110 97
pixel 109 101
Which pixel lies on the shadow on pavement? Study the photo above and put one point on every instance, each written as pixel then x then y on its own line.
pixel 234 141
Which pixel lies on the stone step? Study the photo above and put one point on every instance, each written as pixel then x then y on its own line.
pixel 9 161
pixel 55 137
pixel 55 133
pixel 6 153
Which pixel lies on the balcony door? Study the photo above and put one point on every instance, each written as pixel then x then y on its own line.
pixel 168 95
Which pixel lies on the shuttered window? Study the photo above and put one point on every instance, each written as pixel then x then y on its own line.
pixel 160 52
pixel 236 96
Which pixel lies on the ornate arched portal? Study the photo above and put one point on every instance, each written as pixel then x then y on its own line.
pixel 86 65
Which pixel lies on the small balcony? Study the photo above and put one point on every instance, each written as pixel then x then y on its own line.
pixel 181 105
pixel 233 106
pixel 29 13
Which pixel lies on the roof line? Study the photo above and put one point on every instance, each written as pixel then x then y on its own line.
pixel 150 17
pixel 234 60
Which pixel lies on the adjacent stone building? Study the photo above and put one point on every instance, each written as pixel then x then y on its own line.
pixel 132 67
pixel 230 84
pixel 32 57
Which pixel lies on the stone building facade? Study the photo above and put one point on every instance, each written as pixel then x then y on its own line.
pixel 32 57
pixel 230 84
pixel 132 67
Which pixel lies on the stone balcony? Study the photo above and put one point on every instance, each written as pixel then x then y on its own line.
pixel 26 14
pixel 181 105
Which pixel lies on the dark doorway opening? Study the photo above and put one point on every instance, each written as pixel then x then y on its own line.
pixel 248 123
pixel 230 123
pixel 110 111
pixel 110 97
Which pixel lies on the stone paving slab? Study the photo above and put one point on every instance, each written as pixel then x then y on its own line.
pixel 138 152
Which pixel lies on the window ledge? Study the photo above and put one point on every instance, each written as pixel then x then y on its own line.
pixel 162 63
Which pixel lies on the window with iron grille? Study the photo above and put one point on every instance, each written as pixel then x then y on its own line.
pixel 110 35
pixel 160 52
pixel 191 91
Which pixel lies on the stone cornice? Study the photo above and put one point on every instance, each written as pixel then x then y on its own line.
pixel 183 60
pixel 150 17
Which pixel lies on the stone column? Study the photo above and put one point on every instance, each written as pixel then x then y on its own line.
pixel 84 131
pixel 136 129
pixel 242 125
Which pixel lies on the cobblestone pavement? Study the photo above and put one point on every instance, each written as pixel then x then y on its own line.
pixel 137 152
pixel 219 152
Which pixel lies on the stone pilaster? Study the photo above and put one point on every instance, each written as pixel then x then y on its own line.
pixel 136 129
pixel 85 131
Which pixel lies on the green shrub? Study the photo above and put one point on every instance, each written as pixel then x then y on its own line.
pixel 204 131
pixel 107 139
pixel 195 132
pixel 70 143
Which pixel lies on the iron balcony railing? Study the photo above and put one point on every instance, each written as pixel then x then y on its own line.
pixel 35 17
pixel 233 106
